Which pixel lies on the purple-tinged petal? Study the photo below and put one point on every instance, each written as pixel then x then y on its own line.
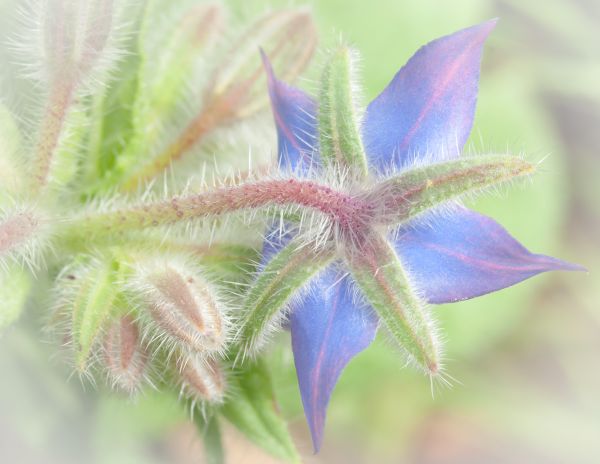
pixel 328 330
pixel 467 254
pixel 428 107
pixel 295 118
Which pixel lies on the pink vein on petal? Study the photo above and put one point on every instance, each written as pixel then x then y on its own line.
pixel 437 94
pixel 319 364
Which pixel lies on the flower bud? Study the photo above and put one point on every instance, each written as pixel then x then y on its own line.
pixel 184 307
pixel 124 354
pixel 202 378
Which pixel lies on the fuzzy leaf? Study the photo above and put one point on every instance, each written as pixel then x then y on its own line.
pixel 339 135
pixel 383 281
pixel 402 197
pixel 15 285
pixel 253 411
pixel 287 272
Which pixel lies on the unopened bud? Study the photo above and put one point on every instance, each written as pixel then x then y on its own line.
pixel 124 355
pixel 185 308
pixel 202 378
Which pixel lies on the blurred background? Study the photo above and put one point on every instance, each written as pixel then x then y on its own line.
pixel 525 358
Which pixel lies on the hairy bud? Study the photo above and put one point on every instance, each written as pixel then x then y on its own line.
pixel 184 307
pixel 202 379
pixel 124 355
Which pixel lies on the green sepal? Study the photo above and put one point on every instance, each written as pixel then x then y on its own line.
pixel 252 410
pixel 379 274
pixel 15 286
pixel 96 298
pixel 402 197
pixel 285 274
pixel 339 134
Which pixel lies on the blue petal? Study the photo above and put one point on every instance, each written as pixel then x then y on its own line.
pixel 428 107
pixel 294 114
pixel 328 330
pixel 466 255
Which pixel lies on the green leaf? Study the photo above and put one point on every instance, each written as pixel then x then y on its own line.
pixel 287 272
pixel 402 197
pixel 252 410
pixel 15 285
pixel 379 274
pixel 339 134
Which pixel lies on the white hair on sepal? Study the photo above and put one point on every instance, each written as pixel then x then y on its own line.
pixel 277 321
pixel 178 305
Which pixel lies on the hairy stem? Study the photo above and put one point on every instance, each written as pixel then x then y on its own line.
pixel 345 210
pixel 51 129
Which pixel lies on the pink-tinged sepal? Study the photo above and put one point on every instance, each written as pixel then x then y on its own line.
pixel 427 109
pixel 328 329
pixel 294 113
pixel 466 254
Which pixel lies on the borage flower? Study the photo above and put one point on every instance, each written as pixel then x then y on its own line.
pixel 388 248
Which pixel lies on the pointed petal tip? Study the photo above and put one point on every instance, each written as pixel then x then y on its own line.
pixel 328 331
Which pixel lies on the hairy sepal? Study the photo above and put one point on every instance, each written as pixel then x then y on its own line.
pixel 284 276
pixel 400 198
pixel 202 379
pixel 179 306
pixel 89 294
pixel 339 133
pixel 385 285
pixel 125 355
pixel 252 410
